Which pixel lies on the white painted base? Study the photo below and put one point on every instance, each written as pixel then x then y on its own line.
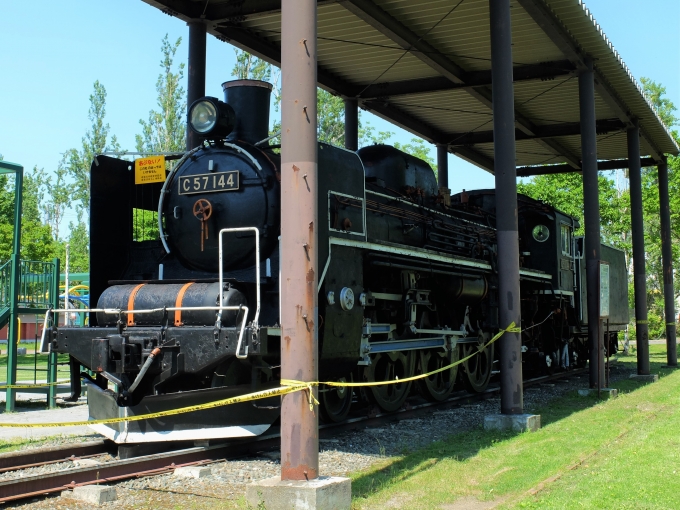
pixel 179 435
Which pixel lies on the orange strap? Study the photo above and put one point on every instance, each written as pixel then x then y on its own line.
pixel 178 303
pixel 131 304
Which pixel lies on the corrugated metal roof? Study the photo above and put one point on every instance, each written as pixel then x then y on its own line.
pixel 425 66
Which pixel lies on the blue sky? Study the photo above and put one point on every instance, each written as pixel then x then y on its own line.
pixel 50 60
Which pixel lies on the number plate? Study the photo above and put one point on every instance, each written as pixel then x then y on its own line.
pixel 208 183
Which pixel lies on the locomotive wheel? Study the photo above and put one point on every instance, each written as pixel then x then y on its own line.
pixel 439 386
pixel 336 402
pixel 477 370
pixel 388 367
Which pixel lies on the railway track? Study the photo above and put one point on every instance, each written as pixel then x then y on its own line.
pixel 159 463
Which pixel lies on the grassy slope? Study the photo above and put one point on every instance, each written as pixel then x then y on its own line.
pixel 618 454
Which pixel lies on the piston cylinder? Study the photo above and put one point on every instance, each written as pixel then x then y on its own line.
pixel 172 295
pixel 467 291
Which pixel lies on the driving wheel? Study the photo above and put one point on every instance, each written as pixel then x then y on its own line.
pixel 390 366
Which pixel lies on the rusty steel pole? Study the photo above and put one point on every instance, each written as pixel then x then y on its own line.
pixel 299 235
pixel 196 72
pixel 667 257
pixel 638 235
pixel 509 303
pixel 591 220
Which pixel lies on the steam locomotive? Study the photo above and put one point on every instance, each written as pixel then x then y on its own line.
pixel 408 282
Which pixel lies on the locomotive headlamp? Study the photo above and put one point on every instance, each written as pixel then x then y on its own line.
pixel 211 118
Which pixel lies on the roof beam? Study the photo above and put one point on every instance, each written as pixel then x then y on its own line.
pixel 384 23
pixel 476 158
pixel 544 71
pixel 547 131
pixel 404 120
pixel 271 52
pixel 526 126
pixel 248 9
pixel 614 164
pixel 553 28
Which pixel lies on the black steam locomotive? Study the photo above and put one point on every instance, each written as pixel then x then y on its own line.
pixel 408 282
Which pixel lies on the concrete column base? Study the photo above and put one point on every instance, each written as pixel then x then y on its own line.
pixel 514 422
pixel 323 493
pixel 605 393
pixel 96 495
pixel 645 378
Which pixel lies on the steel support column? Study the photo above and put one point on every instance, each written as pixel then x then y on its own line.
pixel 667 255
pixel 591 220
pixel 299 235
pixel 52 356
pixel 351 124
pixel 638 235
pixel 13 330
pixel 196 74
pixel 443 166
pixel 509 303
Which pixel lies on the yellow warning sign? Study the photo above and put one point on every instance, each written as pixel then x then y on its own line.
pixel 150 169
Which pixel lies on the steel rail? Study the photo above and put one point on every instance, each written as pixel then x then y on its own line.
pixel 151 465
pixel 39 456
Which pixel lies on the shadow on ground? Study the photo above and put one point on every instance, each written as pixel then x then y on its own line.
pixel 468 444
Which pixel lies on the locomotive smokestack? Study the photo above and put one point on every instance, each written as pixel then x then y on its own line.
pixel 250 101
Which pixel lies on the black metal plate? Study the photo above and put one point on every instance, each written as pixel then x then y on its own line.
pixel 208 183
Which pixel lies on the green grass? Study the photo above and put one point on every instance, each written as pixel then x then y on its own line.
pixel 622 453
pixel 26 367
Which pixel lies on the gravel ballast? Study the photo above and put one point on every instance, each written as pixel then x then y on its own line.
pixel 347 452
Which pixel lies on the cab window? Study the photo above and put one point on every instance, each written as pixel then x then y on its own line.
pixel 566 239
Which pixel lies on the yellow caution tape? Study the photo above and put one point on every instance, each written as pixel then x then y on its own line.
pixel 641 322
pixel 274 392
pixel 670 324
pixel 287 386
pixel 510 329
pixel 37 385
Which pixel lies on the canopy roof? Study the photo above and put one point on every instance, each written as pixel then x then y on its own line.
pixel 426 66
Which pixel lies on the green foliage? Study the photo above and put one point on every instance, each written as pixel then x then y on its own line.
pixel 368 136
pixel 79 249
pixel 650 200
pixel 36 239
pixel 249 67
pixel 165 131
pixel 419 149
pixel 144 225
pixel 565 192
pixel 96 140
pixel 331 115
pixel 54 195
pixel 664 106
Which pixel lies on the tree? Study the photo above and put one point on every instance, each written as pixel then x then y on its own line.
pixel 54 196
pixel 419 149
pixel 663 106
pixel 79 249
pixel 165 131
pixel 565 192
pixel 650 199
pixel 249 67
pixel 36 238
pixel 96 140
